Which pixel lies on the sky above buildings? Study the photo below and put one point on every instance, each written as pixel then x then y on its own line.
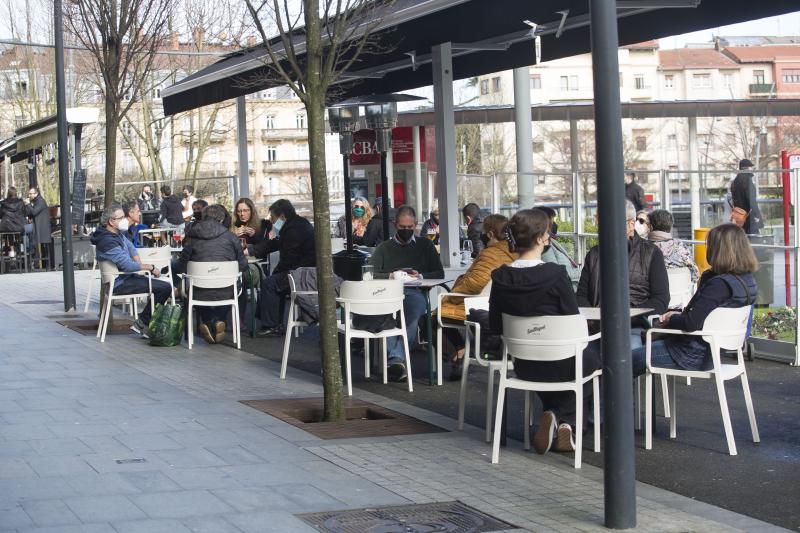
pixel 773 26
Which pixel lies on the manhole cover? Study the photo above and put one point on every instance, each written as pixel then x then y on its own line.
pixel 39 302
pixel 450 517
pixel 363 419
pixel 89 327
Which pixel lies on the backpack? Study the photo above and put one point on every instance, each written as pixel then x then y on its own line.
pixel 167 325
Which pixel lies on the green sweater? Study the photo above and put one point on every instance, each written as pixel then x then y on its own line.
pixel 421 256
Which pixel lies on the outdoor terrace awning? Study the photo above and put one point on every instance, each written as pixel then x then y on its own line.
pixel 487 36
pixel 43 131
pixel 585 111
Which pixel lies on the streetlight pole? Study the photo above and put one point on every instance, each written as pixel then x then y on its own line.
pixel 63 162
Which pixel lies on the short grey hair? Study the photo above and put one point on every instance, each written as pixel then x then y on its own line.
pixel 108 213
pixel 215 212
pixel 630 210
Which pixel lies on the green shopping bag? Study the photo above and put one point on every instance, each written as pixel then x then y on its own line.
pixel 167 325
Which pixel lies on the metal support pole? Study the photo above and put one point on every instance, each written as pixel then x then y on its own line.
pixel 348 208
pixel 32 179
pixel 78 132
pixel 524 137
pixel 415 142
pixel 385 204
pixel 574 146
pixel 796 204
pixel 241 139
pixel 494 193
pixel 63 162
pixel 619 457
pixel 390 174
pixel 444 120
pixel 694 177
pixel 666 201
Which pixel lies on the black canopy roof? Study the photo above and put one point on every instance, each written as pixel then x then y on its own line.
pixel 487 36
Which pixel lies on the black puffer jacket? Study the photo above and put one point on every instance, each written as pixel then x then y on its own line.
pixel 207 241
pixel 295 242
pixel 172 210
pixel 12 213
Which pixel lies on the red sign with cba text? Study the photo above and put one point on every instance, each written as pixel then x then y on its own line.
pixel 365 149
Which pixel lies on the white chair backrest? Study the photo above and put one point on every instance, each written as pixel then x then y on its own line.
pixel 292 284
pixel 160 257
pixel 729 324
pixel 213 274
pixel 108 271
pixel 337 244
pixel 476 302
pixel 544 338
pixel 680 287
pixel 93 248
pixel 376 297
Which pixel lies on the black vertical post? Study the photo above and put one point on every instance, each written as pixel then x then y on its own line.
pixel 385 196
pixel 78 131
pixel 619 459
pixel 33 181
pixel 63 169
pixel 348 208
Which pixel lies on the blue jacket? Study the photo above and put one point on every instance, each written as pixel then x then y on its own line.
pixel 118 249
pixel 713 290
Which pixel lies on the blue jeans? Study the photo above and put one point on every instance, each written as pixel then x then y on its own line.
pixel 413 308
pixel 659 356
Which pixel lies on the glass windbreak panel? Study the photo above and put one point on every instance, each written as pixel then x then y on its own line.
pixel 507 198
pixel 650 182
pixel 588 200
pixel 772 317
pixel 554 190
pixel 474 188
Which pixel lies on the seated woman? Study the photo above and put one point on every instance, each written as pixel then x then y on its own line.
pixel 677 254
pixel 728 283
pixel 247 226
pixel 474 281
pixel 531 287
pixel 361 214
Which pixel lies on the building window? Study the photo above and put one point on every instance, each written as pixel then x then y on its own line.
pixel 300 121
pixel 791 75
pixel 487 149
pixel 620 79
pixel 301 151
pixel 213 155
pixel 569 83
pixel 536 81
pixel 758 76
pixel 641 144
pixel 126 128
pixel 127 162
pixel 639 81
pixel 727 80
pixel 269 122
pixel 496 84
pixel 272 153
pixel 701 81
pixel 669 81
pixel 672 141
pixel 21 88
pixel 484 86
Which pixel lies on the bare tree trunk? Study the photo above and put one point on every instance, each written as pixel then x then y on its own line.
pixel 111 150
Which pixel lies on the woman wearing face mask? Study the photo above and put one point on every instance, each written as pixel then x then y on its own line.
pixel 556 253
pixel 361 214
pixel 474 281
pixel 531 287
pixel 642 225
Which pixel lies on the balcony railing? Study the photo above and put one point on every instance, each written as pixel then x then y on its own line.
pixel 762 88
pixel 282 166
pixel 268 134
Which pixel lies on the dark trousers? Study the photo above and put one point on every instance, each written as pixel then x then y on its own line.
pixel 211 315
pixel 273 299
pixel 136 284
pixel 562 403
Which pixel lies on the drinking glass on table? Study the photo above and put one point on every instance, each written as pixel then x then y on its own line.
pixel 367 272
pixel 432 234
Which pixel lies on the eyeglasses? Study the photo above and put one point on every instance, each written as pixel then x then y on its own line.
pixel 642 221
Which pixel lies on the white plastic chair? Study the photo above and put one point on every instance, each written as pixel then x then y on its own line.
pixel 108 275
pixel 93 276
pixel 212 275
pixel 161 258
pixel 724 329
pixel 294 323
pixel 446 324
pixel 473 334
pixel 371 298
pixel 681 287
pixel 547 338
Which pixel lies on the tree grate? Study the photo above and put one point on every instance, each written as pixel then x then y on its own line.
pixel 449 517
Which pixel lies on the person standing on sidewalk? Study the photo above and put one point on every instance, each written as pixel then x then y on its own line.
pixel 745 196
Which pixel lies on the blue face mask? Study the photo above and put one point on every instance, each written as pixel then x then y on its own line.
pixel 278 225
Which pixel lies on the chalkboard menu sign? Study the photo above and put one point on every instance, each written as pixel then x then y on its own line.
pixel 79 197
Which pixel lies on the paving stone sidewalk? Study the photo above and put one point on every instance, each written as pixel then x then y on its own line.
pixel 122 437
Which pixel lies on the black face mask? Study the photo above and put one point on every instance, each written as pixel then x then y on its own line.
pixel 198 215
pixel 546 247
pixel 435 220
pixel 405 234
pixel 485 240
pixel 554 229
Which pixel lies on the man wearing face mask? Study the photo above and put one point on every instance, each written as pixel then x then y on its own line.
pixel 147 200
pixel 187 202
pixel 112 245
pixel 555 253
pixel 294 239
pixel 648 281
pixel 419 258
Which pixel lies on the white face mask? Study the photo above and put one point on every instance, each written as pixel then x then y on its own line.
pixel 123 225
pixel 641 229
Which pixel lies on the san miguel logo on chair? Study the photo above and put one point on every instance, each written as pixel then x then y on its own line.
pixel 378 291
pixel 213 269
pixel 536 328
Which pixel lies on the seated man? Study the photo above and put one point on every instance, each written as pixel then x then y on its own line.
pixel 405 251
pixel 295 242
pixel 134 216
pixel 209 240
pixel 648 282
pixel 113 246
pixel 677 254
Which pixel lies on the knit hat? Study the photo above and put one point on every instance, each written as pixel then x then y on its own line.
pixel 745 163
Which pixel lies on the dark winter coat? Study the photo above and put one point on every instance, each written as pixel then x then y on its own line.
pixel 635 194
pixel 172 210
pixel 38 211
pixel 474 230
pixel 373 235
pixel 210 241
pixel 295 242
pixel 713 290
pixel 743 195
pixel 12 213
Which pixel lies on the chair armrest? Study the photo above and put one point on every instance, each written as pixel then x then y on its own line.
pixel 308 293
pixel 443 295
pixel 593 337
pixel 651 319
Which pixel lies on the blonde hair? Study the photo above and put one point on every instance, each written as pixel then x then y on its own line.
pixel 367 210
pixel 729 252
